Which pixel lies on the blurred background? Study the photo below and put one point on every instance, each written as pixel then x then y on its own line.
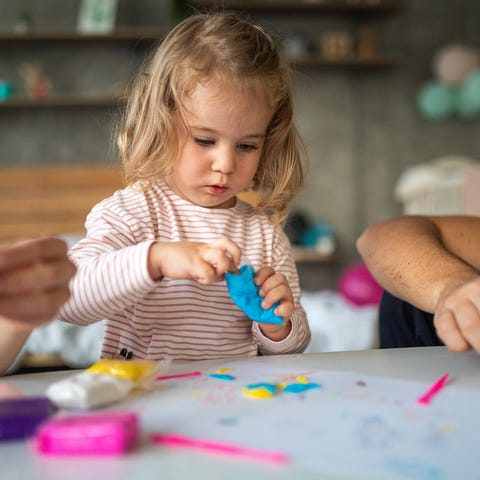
pixel 387 100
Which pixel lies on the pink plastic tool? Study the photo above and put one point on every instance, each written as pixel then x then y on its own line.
pixel 178 375
pixel 220 448
pixel 426 398
pixel 107 433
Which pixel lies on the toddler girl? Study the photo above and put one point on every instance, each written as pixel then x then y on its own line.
pixel 209 117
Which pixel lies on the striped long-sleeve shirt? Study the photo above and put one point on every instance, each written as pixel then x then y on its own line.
pixel 182 319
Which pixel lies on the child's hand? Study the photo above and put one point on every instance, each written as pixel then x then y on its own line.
pixel 204 262
pixel 274 287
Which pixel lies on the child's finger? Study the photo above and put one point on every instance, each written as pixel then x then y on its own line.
pixel 225 264
pixel 272 282
pixel 262 275
pixel 218 259
pixel 205 273
pixel 285 310
pixel 229 247
pixel 280 293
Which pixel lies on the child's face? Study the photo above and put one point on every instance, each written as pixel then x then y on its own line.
pixel 220 152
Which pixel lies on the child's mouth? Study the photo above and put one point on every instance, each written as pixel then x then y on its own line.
pixel 217 189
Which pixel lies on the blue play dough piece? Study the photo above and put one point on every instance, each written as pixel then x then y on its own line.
pixel 300 387
pixel 270 387
pixel 222 376
pixel 245 295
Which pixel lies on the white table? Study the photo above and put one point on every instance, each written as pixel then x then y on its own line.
pixel 19 462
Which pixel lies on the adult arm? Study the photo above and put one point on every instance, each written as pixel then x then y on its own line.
pixel 432 263
pixel 34 276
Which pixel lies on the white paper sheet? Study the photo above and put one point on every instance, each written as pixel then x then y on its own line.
pixel 355 425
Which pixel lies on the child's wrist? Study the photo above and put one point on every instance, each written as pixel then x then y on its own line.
pixel 276 333
pixel 152 263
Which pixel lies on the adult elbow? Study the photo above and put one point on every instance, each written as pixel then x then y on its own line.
pixel 363 242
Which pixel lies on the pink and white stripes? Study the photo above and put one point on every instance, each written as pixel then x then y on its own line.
pixel 179 318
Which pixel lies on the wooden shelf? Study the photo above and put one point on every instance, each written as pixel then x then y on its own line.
pixel 311 255
pixel 134 35
pixel 305 7
pixel 378 61
pixel 64 101
pixel 321 8
pixel 145 36
pixel 101 101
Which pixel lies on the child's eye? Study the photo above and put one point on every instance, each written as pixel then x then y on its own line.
pixel 203 141
pixel 246 147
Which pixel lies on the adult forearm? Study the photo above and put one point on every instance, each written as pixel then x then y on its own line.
pixel 409 257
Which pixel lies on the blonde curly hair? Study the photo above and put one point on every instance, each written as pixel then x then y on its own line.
pixel 226 46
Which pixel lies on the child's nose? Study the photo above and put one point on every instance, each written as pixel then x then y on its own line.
pixel 224 160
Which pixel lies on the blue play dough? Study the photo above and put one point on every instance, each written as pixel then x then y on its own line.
pixel 222 376
pixel 300 387
pixel 270 387
pixel 245 295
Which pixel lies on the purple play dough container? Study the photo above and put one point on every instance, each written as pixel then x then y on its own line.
pixel 20 417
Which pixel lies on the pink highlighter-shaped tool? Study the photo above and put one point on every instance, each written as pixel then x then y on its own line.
pixel 107 433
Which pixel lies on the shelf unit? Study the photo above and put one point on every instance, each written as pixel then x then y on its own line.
pixel 306 7
pixel 378 61
pixel 355 11
pixel 64 101
pixel 310 255
pixel 145 37
pixel 133 37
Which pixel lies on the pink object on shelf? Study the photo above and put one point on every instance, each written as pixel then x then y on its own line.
pixel 108 433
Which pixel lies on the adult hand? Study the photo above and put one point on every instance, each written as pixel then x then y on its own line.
pixel 457 316
pixel 34 277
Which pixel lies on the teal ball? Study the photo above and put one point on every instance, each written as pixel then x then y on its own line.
pixel 468 97
pixel 6 90
pixel 436 101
